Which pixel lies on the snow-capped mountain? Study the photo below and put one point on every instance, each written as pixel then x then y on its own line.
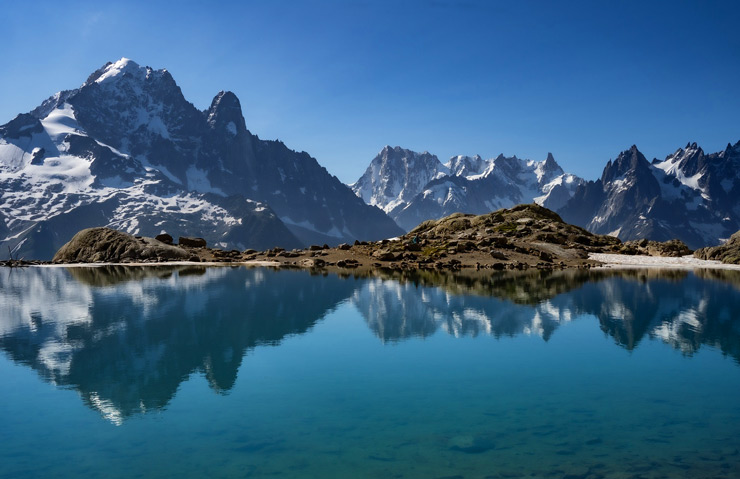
pixel 690 196
pixel 414 187
pixel 126 150
pixel 396 175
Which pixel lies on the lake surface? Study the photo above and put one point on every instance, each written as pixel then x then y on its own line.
pixel 237 372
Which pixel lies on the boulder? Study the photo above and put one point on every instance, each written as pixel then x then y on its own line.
pixel 110 246
pixel 312 263
pixel 191 242
pixel 164 238
pixel 384 255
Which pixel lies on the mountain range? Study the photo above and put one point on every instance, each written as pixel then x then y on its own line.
pixel 128 151
pixel 690 195
pixel 413 187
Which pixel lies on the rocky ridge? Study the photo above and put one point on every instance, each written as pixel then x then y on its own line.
pixel 523 237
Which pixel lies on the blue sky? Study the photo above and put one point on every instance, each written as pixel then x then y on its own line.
pixel 341 79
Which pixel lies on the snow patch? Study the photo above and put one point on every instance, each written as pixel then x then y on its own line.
pixel 60 123
pixel 124 65
pixel 198 181
pixel 639 261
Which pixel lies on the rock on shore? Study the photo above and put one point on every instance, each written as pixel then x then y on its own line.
pixel 94 245
pixel 728 253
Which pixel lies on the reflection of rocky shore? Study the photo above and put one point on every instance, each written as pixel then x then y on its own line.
pixel 115 274
pixel 127 348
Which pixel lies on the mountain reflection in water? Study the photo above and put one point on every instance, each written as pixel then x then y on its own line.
pixel 127 337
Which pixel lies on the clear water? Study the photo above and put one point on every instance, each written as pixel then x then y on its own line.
pixel 240 372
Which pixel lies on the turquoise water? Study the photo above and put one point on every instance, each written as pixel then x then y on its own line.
pixel 235 372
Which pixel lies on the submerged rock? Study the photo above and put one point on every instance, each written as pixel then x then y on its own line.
pixel 107 245
pixel 470 444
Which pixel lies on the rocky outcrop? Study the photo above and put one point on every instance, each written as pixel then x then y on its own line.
pixel 96 245
pixel 673 248
pixel 728 253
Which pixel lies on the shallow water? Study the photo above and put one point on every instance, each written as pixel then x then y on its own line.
pixel 235 372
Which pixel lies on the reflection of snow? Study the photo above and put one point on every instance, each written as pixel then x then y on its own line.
pixel 44 306
pixel 107 409
pixel 31 297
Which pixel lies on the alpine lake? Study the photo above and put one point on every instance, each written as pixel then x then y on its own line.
pixel 255 372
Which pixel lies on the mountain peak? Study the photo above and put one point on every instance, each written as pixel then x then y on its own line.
pixel 112 72
pixel 631 160
pixel 550 163
pixel 121 67
pixel 226 112
pixel 226 99
pixel 396 174
pixel 388 149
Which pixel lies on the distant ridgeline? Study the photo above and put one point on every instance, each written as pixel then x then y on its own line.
pixel 689 196
pixel 126 150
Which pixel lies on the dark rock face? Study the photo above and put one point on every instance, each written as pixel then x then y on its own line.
pixel 107 245
pixel 144 160
pixel 191 242
pixel 23 125
pixel 164 238
pixel 688 196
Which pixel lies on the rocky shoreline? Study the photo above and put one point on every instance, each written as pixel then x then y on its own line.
pixel 523 237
